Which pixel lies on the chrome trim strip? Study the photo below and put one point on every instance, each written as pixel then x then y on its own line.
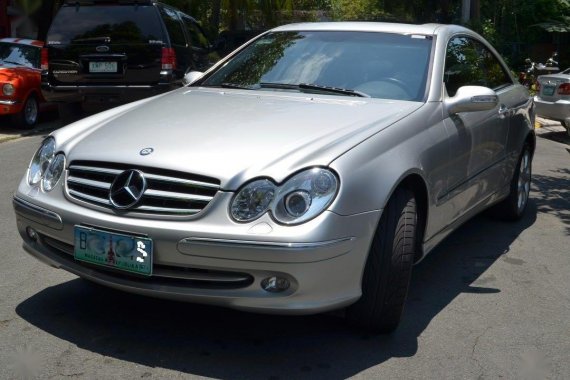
pixel 95 169
pixel 265 244
pixel 8 102
pixel 173 195
pixel 89 182
pixel 37 214
pixel 89 197
pixel 157 177
pixel 189 211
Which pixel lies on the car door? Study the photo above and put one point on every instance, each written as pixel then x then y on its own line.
pixel 477 139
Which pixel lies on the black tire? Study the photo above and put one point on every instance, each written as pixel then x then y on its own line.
pixel 69 112
pixel 27 118
pixel 512 208
pixel 388 268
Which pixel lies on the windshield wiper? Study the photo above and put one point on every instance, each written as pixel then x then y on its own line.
pixel 314 87
pixel 12 62
pixel 93 39
pixel 234 85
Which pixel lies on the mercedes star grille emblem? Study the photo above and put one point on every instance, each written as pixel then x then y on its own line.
pixel 127 189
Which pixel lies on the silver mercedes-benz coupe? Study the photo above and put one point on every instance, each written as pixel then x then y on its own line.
pixel 306 172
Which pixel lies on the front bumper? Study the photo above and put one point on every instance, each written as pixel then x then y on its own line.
pixel 9 107
pixel 559 110
pixel 194 261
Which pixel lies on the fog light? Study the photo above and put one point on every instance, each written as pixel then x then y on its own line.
pixel 32 234
pixel 275 284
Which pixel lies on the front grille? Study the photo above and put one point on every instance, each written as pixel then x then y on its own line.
pixel 168 192
pixel 163 275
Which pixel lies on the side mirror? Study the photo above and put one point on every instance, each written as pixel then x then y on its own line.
pixel 191 77
pixel 472 99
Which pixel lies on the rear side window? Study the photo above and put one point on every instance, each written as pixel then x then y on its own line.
pixel 197 38
pixel 173 26
pixel 120 23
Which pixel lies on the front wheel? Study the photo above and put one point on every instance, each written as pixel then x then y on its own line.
pixel 28 116
pixel 388 268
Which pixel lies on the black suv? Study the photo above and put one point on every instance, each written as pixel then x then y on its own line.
pixel 115 52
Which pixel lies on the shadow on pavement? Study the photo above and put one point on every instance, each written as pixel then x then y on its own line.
pixel 221 343
pixel 554 197
pixel 47 121
pixel 560 136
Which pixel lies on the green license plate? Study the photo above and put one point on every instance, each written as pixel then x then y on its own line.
pixel 548 90
pixel 114 250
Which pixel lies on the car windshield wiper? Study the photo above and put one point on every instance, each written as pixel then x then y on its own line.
pixel 314 87
pixel 235 85
pixel 12 62
pixel 93 39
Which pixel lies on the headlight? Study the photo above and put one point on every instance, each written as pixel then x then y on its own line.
pixel 302 197
pixel 53 172
pixel 253 200
pixel 8 89
pixel 41 160
pixel 305 196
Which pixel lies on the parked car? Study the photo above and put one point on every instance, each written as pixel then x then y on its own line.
pixel 20 94
pixel 115 52
pixel 306 172
pixel 553 98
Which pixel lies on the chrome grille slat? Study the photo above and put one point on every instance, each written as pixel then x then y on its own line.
pixel 89 198
pixel 173 195
pixel 88 182
pixel 169 210
pixel 181 181
pixel 168 192
pixel 94 169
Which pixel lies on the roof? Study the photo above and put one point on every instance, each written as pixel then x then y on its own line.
pixel 386 27
pixel 23 41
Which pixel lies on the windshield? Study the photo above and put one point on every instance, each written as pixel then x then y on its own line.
pixel 23 55
pixel 106 23
pixel 379 65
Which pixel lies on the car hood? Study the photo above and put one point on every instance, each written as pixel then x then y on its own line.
pixel 232 135
pixel 9 72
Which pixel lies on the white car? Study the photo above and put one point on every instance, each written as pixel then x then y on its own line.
pixel 553 99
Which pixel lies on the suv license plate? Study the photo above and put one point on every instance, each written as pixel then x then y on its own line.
pixel 548 90
pixel 102 67
pixel 113 250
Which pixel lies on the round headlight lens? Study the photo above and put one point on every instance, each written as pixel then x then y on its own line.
pixel 41 160
pixel 304 196
pixel 253 200
pixel 8 89
pixel 297 203
pixel 53 172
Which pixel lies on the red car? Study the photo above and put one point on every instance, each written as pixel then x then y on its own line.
pixel 20 78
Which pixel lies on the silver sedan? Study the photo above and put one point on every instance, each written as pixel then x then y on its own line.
pixel 306 172
pixel 553 98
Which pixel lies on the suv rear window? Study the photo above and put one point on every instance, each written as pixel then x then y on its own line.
pixel 121 23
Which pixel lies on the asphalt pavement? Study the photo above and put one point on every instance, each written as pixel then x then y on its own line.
pixel 491 302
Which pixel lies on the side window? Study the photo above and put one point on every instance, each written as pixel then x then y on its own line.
pixel 197 38
pixel 470 63
pixel 173 26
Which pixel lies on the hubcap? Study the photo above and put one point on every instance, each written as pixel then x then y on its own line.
pixel 31 111
pixel 524 181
